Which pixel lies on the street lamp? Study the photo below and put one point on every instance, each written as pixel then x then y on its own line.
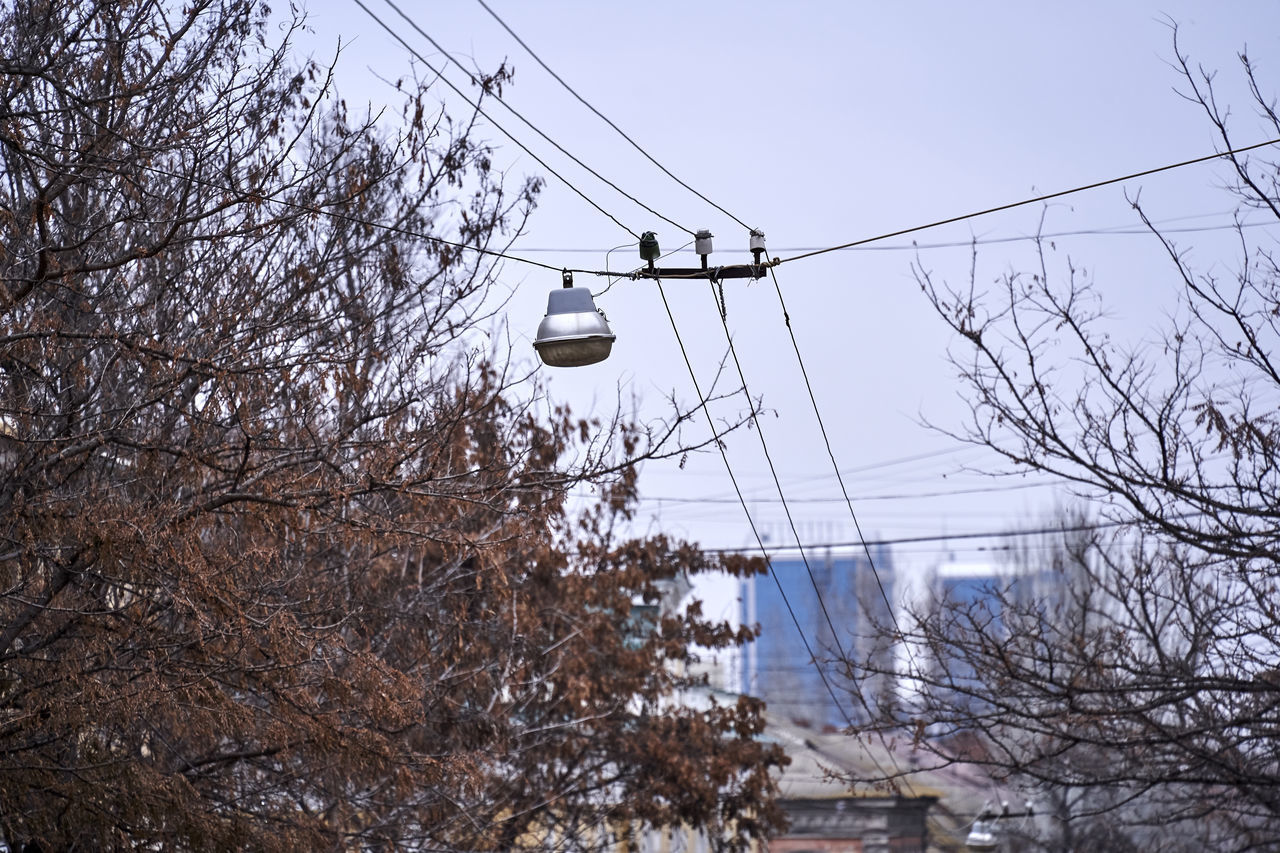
pixel 984 835
pixel 981 837
pixel 574 332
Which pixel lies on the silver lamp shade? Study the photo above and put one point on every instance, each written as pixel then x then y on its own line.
pixel 574 332
pixel 981 838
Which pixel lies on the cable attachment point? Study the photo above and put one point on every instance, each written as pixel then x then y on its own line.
pixel 567 278
pixel 649 251
pixel 757 244
pixel 702 245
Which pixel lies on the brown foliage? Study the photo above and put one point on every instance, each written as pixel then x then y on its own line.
pixel 286 560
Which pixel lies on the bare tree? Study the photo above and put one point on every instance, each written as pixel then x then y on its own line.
pixel 1145 687
pixel 285 555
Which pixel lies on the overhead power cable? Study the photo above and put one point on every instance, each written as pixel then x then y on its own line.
pixel 777 482
pixel 894 463
pixel 1035 200
pixel 817 591
pixel 274 196
pixel 1120 231
pixel 530 124
pixel 605 118
pixel 943 537
pixel 1041 198
pixel 826 440
pixel 476 106
pixel 804 639
pixel 977 490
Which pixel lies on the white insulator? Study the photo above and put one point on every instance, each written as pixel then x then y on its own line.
pixel 702 242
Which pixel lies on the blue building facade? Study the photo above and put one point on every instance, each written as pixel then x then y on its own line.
pixel 971 597
pixel 779 668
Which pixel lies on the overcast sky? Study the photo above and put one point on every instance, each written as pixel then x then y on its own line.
pixel 824 123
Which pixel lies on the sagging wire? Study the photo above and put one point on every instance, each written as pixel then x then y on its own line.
pixel 615 280
pixel 530 124
pixel 605 119
pixel 476 106
pixel 835 635
pixel 826 440
pixel 633 275
pixel 1035 200
pixel 755 531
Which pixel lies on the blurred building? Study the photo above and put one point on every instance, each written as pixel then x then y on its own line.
pixel 958 598
pixel 984 585
pixel 925 811
pixel 841 603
